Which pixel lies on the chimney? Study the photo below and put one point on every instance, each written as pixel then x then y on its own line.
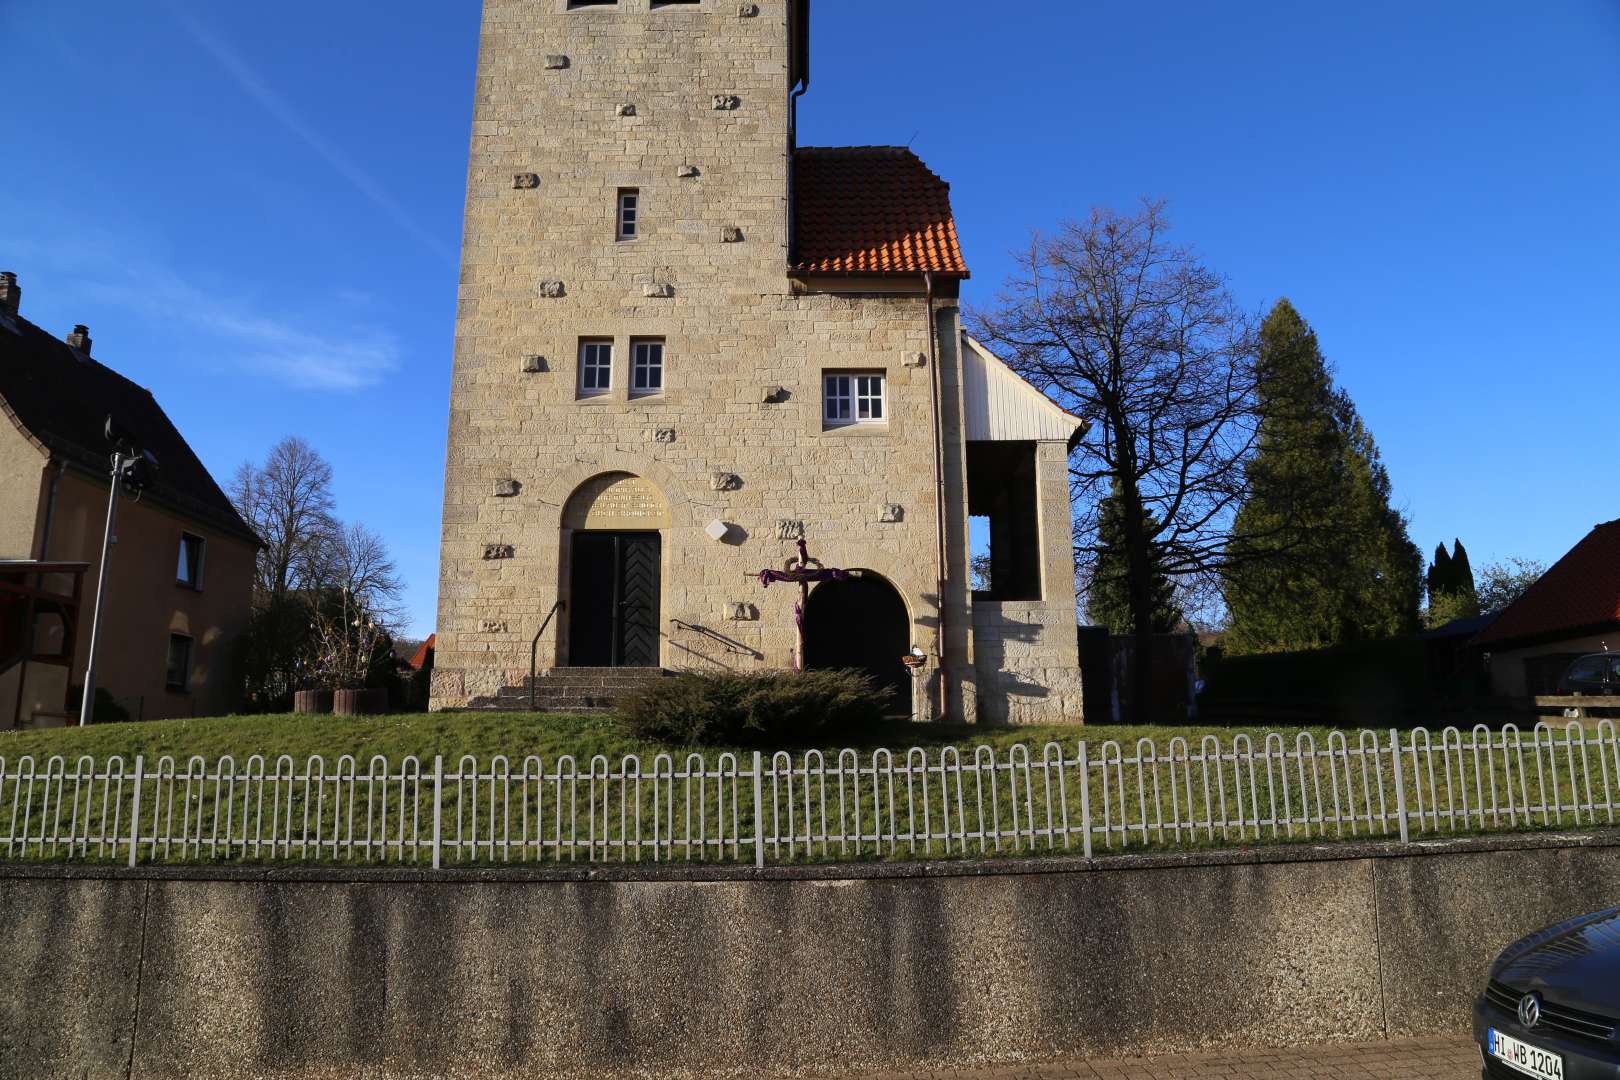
pixel 10 293
pixel 80 338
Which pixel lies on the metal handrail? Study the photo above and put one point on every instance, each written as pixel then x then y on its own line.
pixel 534 649
pixel 732 646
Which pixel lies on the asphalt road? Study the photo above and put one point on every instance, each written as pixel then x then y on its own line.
pixel 1427 1059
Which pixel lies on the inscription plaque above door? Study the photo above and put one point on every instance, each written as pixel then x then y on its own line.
pixel 616 501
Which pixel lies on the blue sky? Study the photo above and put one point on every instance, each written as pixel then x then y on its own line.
pixel 257 210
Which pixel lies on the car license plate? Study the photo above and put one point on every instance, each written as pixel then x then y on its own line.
pixel 1525 1058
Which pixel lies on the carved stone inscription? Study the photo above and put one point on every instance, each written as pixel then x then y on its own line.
pixel 616 501
pixel 789 530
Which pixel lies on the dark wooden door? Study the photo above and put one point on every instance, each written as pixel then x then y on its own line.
pixel 614 607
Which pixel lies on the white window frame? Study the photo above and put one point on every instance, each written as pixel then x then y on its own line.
pixel 595 367
pixel 846 394
pixel 641 364
pixel 628 218
pixel 196 581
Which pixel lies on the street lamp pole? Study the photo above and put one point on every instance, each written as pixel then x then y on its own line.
pixel 87 703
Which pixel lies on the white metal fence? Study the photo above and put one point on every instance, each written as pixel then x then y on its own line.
pixel 946 802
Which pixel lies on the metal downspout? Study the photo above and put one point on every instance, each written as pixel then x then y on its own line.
pixel 939 501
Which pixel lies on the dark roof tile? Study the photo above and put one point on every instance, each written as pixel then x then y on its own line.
pixel 1580 592
pixel 62 399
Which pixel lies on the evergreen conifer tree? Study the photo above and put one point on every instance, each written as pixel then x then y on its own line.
pixel 1108 598
pixel 1319 495
pixel 1439 581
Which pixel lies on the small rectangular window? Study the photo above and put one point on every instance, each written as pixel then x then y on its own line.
pixel 646 367
pixel 595 367
pixel 178 673
pixel 629 213
pixel 189 571
pixel 675 3
pixel 856 397
pixel 572 4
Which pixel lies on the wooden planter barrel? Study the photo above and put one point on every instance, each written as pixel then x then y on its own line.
pixel 359 702
pixel 312 702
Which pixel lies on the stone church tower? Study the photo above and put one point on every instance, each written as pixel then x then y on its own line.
pixel 684 343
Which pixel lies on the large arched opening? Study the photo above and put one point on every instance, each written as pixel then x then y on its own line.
pixel 861 623
pixel 613 565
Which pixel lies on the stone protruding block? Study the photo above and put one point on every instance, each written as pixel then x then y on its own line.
pixel 526 181
pixel 717 530
pixel 534 365
pixel 553 290
pixel 747 11
pixel 789 530
pixel 727 102
pixel 892 514
pixel 658 290
pixel 664 435
pixel 556 62
pixel 725 481
pixel 914 359
pixel 498 551
pixel 507 489
pixel 731 234
pixel 627 109
pixel 687 172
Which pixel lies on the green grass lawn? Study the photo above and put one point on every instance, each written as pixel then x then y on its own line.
pixel 516 735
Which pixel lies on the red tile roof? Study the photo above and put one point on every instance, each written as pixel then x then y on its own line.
pixel 871 210
pixel 1580 593
pixel 422 651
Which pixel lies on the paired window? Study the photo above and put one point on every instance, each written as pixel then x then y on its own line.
pixel 178 676
pixel 595 367
pixel 629 213
pixel 572 4
pixel 854 397
pixel 189 570
pixel 646 367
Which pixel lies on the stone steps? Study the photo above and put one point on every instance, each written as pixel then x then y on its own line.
pixel 571 690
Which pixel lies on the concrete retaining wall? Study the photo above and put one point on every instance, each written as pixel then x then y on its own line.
pixel 274 973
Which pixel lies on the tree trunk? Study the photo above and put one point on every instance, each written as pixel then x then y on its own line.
pixel 1139 567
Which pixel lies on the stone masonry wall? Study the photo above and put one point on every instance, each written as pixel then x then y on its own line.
pixel 688 104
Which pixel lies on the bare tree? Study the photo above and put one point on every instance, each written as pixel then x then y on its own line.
pixel 1141 338
pixel 361 566
pixel 288 502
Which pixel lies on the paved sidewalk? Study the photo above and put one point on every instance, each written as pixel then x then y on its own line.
pixel 1427 1059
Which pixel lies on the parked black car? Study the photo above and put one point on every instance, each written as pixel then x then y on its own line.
pixel 1552 1007
pixel 1595 674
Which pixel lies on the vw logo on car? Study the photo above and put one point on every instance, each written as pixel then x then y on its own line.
pixel 1551 1009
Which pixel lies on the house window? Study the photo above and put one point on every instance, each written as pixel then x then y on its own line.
pixel 646 367
pixel 629 213
pixel 572 4
pixel 595 367
pixel 854 397
pixel 675 3
pixel 189 571
pixel 178 675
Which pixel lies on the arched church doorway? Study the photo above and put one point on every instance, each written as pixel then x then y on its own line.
pixel 861 623
pixel 613 546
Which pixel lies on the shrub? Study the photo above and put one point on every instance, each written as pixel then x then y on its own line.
pixel 773 708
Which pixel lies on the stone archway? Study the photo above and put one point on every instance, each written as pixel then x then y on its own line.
pixel 613 545
pixel 861 623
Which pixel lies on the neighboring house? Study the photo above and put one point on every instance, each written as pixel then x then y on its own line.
pixel 182 570
pixel 419 657
pixel 1573 609
pixel 684 342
